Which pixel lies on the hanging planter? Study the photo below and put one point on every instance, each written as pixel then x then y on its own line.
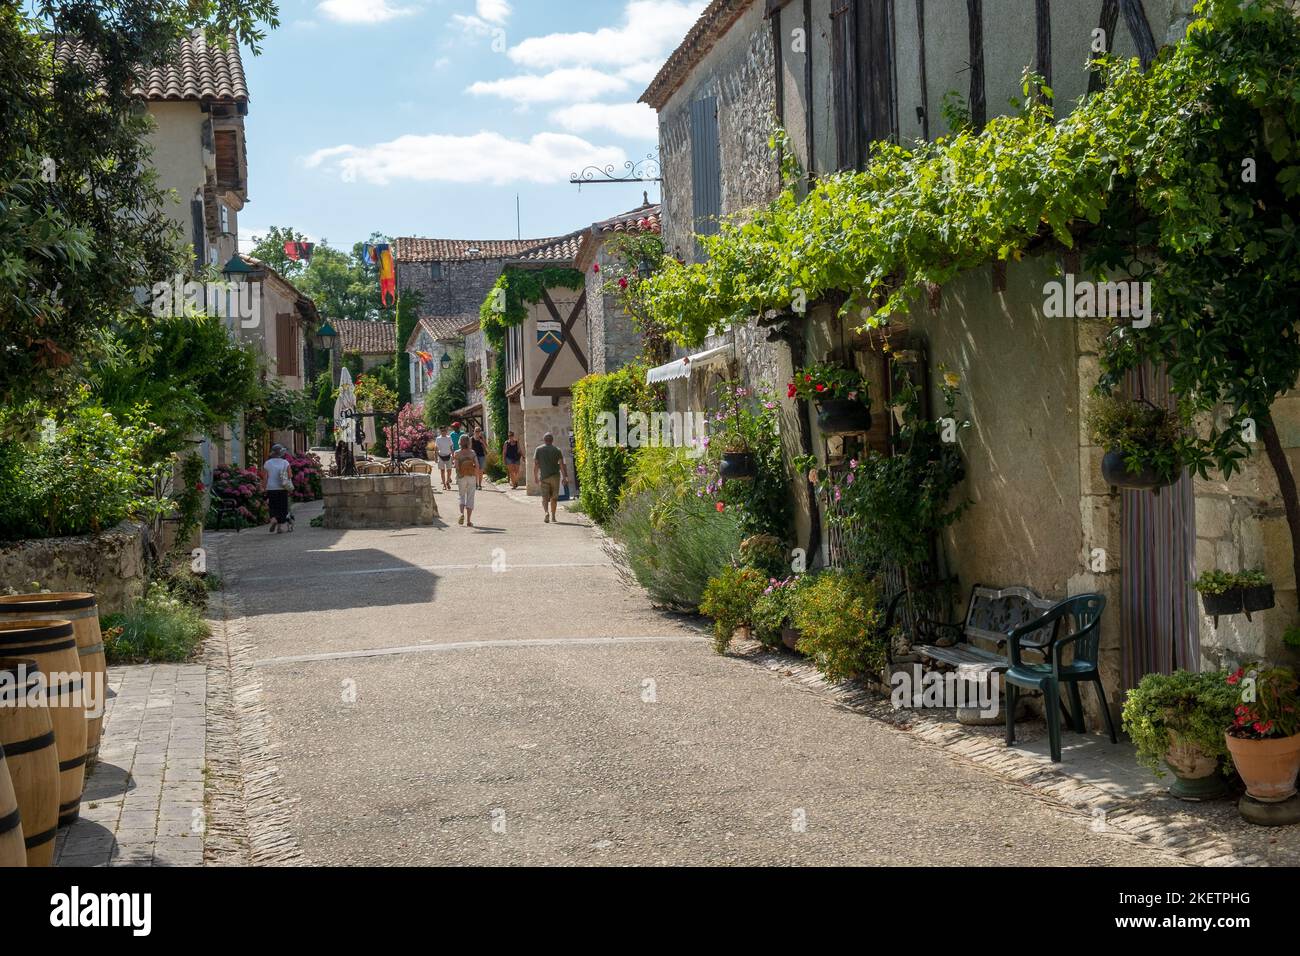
pixel 1234 592
pixel 838 416
pixel 737 464
pixel 1135 431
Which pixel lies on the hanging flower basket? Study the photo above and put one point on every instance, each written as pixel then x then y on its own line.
pixel 737 464
pixel 1258 598
pixel 836 416
pixel 1227 602
pixel 1115 471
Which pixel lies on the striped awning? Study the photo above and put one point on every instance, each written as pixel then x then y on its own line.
pixel 682 367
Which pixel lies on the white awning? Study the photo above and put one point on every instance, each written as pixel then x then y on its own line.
pixel 683 367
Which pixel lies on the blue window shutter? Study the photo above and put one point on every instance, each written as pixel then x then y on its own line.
pixel 706 167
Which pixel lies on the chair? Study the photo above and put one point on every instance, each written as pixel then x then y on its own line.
pixel 1047 677
pixel 225 505
pixel 417 466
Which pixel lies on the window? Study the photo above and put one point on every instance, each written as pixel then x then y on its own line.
pixel 198 229
pixel 844 83
pixel 224 212
pixel 862 75
pixel 435 270
pixel 706 167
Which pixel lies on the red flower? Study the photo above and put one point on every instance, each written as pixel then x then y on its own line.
pixel 790 390
pixel 721 506
pixel 807 378
pixel 595 267
pixel 198 486
pixel 821 387
pixel 622 283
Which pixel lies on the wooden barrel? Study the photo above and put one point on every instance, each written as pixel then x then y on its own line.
pixel 27 737
pixel 12 852
pixel 80 608
pixel 54 648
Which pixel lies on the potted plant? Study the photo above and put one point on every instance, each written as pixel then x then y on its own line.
pixel 1256 591
pixel 737 459
pixel 842 397
pixel 1264 736
pixel 1219 593
pixel 774 611
pixel 729 598
pixel 1141 442
pixel 1177 720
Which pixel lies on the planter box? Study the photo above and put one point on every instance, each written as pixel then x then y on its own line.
pixel 1115 472
pixel 839 416
pixel 1229 602
pixel 737 464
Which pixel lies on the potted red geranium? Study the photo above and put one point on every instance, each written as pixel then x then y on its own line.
pixel 1264 737
pixel 842 396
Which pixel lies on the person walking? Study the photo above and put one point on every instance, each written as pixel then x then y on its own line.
pixel 455 437
pixel 466 480
pixel 277 480
pixel 444 448
pixel 510 455
pixel 479 444
pixel 548 469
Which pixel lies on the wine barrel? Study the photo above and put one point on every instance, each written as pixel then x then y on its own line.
pixel 12 852
pixel 27 737
pixel 80 608
pixel 53 646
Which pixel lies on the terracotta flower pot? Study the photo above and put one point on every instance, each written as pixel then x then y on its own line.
pixel 1115 471
pixel 1196 773
pixel 1267 767
pixel 790 638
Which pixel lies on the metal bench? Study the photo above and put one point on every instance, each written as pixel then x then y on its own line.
pixel 990 614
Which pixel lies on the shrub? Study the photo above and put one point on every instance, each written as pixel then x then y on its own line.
pixel 729 599
pixel 244 485
pixel 80 476
pixel 413 435
pixel 841 625
pixel 447 394
pixel 671 546
pixel 746 421
pixel 1197 707
pixel 766 552
pixel 1267 706
pixel 494 469
pixel 306 471
pixel 775 607
pixel 160 627
pixel 602 464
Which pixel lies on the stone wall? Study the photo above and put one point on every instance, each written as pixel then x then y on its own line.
pixel 556 419
pixel 110 564
pixel 460 291
pixel 612 338
pixel 379 501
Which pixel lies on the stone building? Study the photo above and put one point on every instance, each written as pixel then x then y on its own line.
pixel 439 337
pixel 838 75
pixel 374 343
pixel 612 338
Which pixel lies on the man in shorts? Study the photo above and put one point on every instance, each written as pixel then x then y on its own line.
pixel 444 448
pixel 548 470
pixel 466 480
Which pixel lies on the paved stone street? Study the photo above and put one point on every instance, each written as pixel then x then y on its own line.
pixel 143 802
pixel 496 695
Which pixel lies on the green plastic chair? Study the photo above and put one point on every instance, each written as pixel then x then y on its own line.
pixel 1047 677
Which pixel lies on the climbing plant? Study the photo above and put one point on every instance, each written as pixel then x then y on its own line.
pixel 1191 167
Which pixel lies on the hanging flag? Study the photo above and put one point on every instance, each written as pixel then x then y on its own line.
pixel 426 359
pixel 367 253
pixel 299 250
pixel 387 275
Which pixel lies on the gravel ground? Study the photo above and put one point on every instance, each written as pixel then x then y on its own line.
pixel 544 714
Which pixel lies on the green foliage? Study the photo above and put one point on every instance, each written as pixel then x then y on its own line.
pixel 775 607
pixel 1148 435
pixel 1196 707
pixel 1219 582
pixel 1291 637
pixel 325 393
pixel 767 553
pixel 841 624
pixel 506 304
pixel 82 476
pixel 70 255
pixel 729 598
pixel 820 382
pixel 280 408
pixel 406 319
pixel 669 474
pixel 637 256
pixel 892 507
pixel 186 374
pixel 447 394
pixel 1267 706
pixel 339 282
pixel 670 542
pixel 601 462
pixel 374 393
pixel 190 498
pixel 494 396
pixel 746 421
pixel 161 627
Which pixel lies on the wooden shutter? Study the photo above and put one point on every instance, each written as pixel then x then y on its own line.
pixel 875 31
pixel 706 167
pixel 286 345
pixel 844 84
pixel 198 225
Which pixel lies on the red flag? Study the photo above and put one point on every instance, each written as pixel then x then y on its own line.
pixel 299 250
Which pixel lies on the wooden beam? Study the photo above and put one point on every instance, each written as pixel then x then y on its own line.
pixel 808 97
pixel 925 85
pixel 1043 32
pixel 778 61
pixel 1135 16
pixel 1109 19
pixel 978 105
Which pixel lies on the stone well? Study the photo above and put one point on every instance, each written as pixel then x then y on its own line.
pixel 379 501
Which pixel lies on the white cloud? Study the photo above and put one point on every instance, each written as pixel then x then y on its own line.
pixel 572 85
pixel 472 24
pixel 482 157
pixel 493 11
pixel 651 30
pixel 362 11
pixel 642 72
pixel 634 120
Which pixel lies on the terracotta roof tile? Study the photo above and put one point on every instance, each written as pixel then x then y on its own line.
pixel 562 250
pixel 644 218
pixel 365 338
pixel 444 327
pixel 418 249
pixel 197 70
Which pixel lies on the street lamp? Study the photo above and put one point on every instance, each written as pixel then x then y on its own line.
pixel 445 362
pixel 325 338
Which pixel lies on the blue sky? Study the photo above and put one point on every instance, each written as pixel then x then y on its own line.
pixel 427 117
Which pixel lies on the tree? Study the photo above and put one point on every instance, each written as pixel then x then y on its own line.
pixel 342 284
pixel 447 395
pixel 82 224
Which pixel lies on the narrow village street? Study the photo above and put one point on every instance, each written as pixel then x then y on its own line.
pixel 424 708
